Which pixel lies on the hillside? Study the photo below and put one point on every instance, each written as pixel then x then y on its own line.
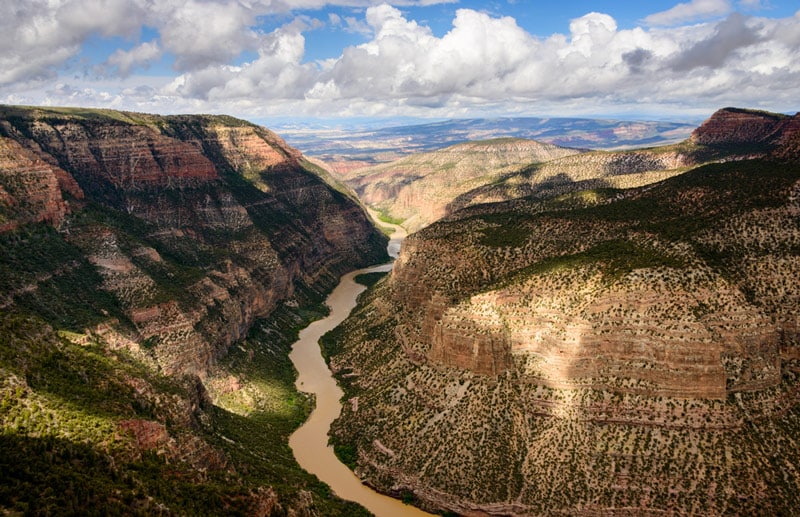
pixel 423 188
pixel 153 273
pixel 632 352
pixel 417 189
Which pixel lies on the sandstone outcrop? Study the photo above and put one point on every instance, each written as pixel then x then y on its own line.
pixel 213 181
pixel 591 170
pixel 746 128
pixel 418 188
pixel 424 188
pixel 600 352
pixel 31 190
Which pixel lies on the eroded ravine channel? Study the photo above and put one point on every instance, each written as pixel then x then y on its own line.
pixel 310 442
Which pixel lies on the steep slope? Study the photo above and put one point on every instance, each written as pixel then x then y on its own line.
pixel 630 352
pixel 421 189
pixel 749 133
pixel 141 249
pixel 417 189
pixel 729 134
pixel 591 170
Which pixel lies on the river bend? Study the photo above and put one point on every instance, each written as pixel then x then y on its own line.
pixel 310 442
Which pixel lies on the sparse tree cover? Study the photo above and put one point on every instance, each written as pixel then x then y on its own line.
pixel 154 272
pixel 576 336
pixel 632 351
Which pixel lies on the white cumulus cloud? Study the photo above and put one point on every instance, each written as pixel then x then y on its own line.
pixel 125 60
pixel 484 63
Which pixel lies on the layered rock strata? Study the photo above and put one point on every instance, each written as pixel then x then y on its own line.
pixel 140 254
pixel 229 197
pixel 606 352
pixel 417 189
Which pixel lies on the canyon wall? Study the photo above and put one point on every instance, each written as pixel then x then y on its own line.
pixel 228 198
pixel 598 352
pixel 417 189
pixel 153 273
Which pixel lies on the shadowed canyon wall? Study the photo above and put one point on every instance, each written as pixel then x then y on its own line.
pixel 153 271
pixel 225 196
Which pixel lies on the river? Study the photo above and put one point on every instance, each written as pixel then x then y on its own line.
pixel 310 442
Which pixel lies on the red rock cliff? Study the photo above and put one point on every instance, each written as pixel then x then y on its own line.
pixel 757 132
pixel 224 220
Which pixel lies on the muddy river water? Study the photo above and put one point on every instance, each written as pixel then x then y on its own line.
pixel 310 442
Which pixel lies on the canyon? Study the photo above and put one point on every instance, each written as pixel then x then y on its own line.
pixel 422 188
pixel 630 351
pixel 418 189
pixel 154 270
pixel 567 332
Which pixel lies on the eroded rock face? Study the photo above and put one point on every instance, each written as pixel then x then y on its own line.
pixel 219 195
pixel 418 188
pixel 758 132
pixel 139 253
pixel 590 352
pixel 31 190
pixel 668 332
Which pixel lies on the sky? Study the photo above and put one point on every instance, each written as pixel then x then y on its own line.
pixel 371 60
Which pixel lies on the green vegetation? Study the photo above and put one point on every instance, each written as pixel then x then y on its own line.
pixel 49 277
pixel 384 216
pixel 89 423
pixel 614 258
pixel 347 454
pixel 60 419
pixel 696 246
pixel 253 424
pixel 370 279
pixel 60 446
pixel 386 230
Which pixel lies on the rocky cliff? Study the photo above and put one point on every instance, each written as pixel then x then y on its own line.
pixel 161 243
pixel 750 133
pixel 606 351
pixel 734 126
pixel 421 189
pixel 590 170
pixel 234 196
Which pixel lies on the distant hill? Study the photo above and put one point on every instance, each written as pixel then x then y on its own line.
pixel 417 189
pixel 602 351
pixel 386 144
pixel 422 188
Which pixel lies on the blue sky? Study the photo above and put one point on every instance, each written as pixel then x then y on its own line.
pixel 365 59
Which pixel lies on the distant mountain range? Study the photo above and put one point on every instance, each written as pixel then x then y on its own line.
pixel 386 144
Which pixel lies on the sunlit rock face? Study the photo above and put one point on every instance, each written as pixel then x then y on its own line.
pixel 30 188
pixel 658 329
pixel 731 126
pixel 591 351
pixel 418 189
pixel 153 271
pixel 424 188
